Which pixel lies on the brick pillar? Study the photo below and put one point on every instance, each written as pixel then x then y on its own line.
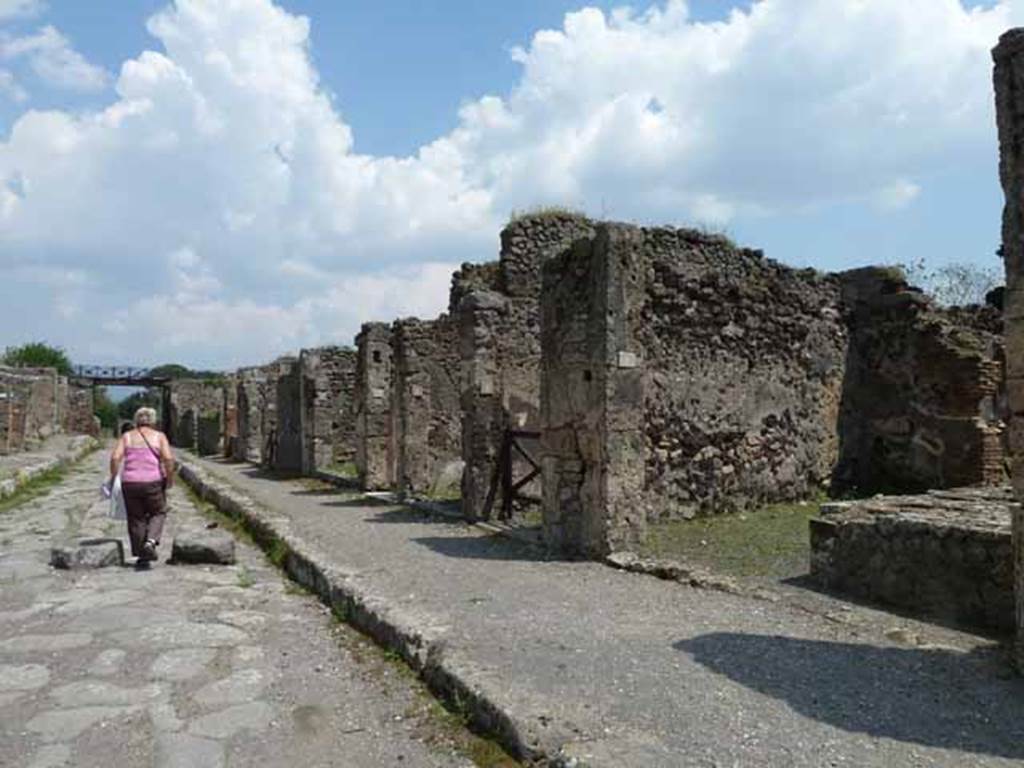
pixel 1009 90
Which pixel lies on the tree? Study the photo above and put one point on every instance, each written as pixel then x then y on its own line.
pixel 176 371
pixel 38 354
pixel 104 408
pixel 954 284
pixel 147 398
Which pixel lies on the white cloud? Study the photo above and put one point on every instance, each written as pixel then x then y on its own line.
pixel 55 61
pixel 12 9
pixel 223 150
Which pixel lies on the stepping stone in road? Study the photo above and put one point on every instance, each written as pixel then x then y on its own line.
pixel 87 553
pixel 215 547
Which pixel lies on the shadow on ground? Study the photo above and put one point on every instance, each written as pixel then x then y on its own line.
pixel 929 696
pixel 493 547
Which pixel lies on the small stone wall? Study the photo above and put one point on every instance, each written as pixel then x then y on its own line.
pixel 328 420
pixel 190 402
pixel 923 400
pixel 498 313
pixel 428 419
pixel 945 554
pixel 374 419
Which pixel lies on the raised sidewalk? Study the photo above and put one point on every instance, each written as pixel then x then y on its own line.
pixel 574 663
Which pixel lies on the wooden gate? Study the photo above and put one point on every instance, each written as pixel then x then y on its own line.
pixel 503 478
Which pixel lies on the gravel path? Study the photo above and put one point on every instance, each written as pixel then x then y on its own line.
pixel 624 670
pixel 187 666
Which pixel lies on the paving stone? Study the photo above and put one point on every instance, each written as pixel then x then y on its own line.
pixel 51 756
pixel 180 750
pixel 214 547
pixel 253 715
pixel 87 553
pixel 109 662
pixel 186 633
pixel 37 643
pixel 244 685
pixel 99 692
pixel 25 677
pixel 181 664
pixel 66 724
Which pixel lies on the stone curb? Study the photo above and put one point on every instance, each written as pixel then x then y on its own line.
pixel 422 648
pixel 78 451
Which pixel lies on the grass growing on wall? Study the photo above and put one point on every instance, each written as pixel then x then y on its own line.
pixel 770 542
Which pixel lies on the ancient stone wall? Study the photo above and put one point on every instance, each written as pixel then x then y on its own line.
pixel 924 391
pixel 287 456
pixel 682 376
pixel 328 417
pixel 32 406
pixel 428 419
pixel 374 419
pixel 256 400
pixel 498 313
pixel 946 554
pixel 1009 93
pixel 190 402
pixel 81 418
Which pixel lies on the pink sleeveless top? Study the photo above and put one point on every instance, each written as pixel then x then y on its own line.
pixel 141 465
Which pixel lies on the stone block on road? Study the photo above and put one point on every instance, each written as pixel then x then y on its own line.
pixel 214 547
pixel 87 553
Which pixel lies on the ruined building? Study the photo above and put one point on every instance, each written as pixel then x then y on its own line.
pixel 682 375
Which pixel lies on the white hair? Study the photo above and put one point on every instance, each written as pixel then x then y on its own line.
pixel 145 417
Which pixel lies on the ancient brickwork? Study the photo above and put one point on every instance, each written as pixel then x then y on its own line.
pixel 192 402
pixel 946 554
pixel 1009 92
pixel 287 455
pixel 428 419
pixel 682 376
pixel 924 392
pixel 498 310
pixel 328 419
pixel 374 418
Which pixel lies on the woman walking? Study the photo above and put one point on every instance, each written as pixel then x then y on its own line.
pixel 147 473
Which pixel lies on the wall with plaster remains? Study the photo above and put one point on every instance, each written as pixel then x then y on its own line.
pixel 287 455
pixel 428 419
pixel 328 417
pixel 374 418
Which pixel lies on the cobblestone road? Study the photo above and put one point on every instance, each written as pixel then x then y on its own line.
pixel 188 666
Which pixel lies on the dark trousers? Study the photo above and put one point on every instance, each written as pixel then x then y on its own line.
pixel 146 505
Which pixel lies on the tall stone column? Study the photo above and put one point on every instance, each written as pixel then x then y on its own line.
pixel 1009 90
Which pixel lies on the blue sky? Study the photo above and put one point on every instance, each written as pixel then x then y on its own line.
pixel 270 182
